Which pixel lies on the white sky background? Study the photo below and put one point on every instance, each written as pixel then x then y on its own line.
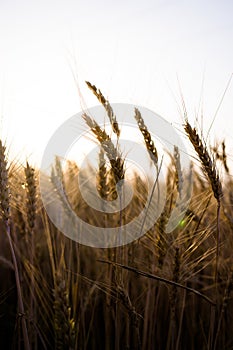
pixel 132 50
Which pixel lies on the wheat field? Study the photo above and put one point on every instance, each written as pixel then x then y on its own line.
pixel 162 291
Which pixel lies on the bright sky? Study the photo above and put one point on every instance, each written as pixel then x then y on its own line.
pixel 132 50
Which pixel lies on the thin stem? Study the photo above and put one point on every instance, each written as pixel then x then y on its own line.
pixel 161 279
pixel 151 197
pixel 20 298
pixel 217 243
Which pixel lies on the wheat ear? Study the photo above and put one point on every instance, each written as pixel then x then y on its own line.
pixel 117 163
pixel 224 157
pixel 107 106
pixel 206 161
pixel 147 137
pixel 31 196
pixel 179 174
pixel 64 323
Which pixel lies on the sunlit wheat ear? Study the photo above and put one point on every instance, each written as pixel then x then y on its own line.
pixel 4 186
pixel 147 137
pixel 115 159
pixel 208 164
pixel 107 106
pixel 31 196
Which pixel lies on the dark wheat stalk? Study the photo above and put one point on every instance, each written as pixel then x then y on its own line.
pixel 118 173
pixel 5 212
pixel 103 189
pixel 151 150
pixel 210 170
pixel 226 299
pixel 160 279
pixel 162 239
pixel 148 326
pixel 173 300
pixel 31 198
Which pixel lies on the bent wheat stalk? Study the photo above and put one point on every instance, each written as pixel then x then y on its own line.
pixel 161 279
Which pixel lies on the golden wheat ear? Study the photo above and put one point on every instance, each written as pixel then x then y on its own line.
pixel 147 137
pixel 112 152
pixel 105 103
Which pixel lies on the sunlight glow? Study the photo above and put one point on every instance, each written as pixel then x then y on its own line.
pixel 133 51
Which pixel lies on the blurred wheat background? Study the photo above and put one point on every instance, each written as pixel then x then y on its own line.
pixel 164 291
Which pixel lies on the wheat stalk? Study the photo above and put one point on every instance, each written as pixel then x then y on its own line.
pixel 31 199
pixel 173 300
pixel 5 212
pixel 161 279
pixel 209 169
